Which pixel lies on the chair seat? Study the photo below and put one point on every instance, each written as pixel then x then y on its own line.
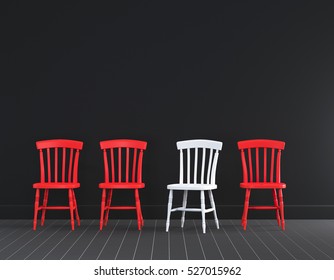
pixel 56 185
pixel 121 185
pixel 191 187
pixel 266 185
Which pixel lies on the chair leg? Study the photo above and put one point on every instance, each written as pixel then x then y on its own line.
pixel 45 202
pixel 76 208
pixel 213 205
pixel 281 205
pixel 103 203
pixel 138 208
pixel 246 205
pixel 169 208
pixel 203 211
pixel 36 209
pixel 141 216
pixel 277 207
pixel 106 217
pixel 184 205
pixel 70 198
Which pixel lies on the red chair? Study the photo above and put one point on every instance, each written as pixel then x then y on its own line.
pixel 57 157
pixel 267 154
pixel 121 174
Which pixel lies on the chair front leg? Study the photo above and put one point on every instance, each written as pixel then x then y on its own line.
pixel 76 208
pixel 106 217
pixel 138 208
pixel 277 207
pixel 184 205
pixel 281 205
pixel 213 205
pixel 71 204
pixel 203 211
pixel 103 203
pixel 141 216
pixel 36 209
pixel 169 208
pixel 45 202
pixel 246 205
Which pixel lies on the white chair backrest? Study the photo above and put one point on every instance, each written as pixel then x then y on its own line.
pixel 196 151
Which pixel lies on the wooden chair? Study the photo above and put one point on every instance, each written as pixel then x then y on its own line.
pixel 264 158
pixel 194 178
pixel 57 157
pixel 120 174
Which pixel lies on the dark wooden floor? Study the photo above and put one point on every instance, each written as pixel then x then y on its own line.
pixel 302 239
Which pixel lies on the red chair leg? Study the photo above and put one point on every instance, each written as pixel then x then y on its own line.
pixel 70 198
pixel 141 216
pixel 103 203
pixel 281 206
pixel 77 217
pixel 36 209
pixel 45 202
pixel 138 208
pixel 106 217
pixel 276 205
pixel 246 205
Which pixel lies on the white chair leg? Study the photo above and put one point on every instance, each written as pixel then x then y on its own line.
pixel 184 205
pixel 213 205
pixel 203 211
pixel 169 208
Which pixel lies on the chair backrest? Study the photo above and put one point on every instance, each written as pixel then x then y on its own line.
pixel 263 161
pixel 59 160
pixel 114 152
pixel 196 151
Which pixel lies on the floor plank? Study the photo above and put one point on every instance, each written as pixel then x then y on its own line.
pixel 121 239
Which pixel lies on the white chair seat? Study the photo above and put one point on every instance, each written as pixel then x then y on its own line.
pixel 191 187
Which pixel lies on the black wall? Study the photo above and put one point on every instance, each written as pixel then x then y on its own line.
pixel 165 71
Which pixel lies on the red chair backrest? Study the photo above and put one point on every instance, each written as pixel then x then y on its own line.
pixel 54 163
pixel 263 161
pixel 114 163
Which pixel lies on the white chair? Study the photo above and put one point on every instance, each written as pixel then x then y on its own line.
pixel 197 179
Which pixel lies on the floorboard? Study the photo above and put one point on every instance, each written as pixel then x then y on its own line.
pixel 121 240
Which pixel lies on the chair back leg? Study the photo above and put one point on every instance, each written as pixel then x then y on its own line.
pixel 169 208
pixel 103 203
pixel 36 209
pixel 184 205
pixel 203 211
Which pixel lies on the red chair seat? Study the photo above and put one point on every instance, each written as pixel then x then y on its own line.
pixel 121 185
pixel 266 185
pixel 56 185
